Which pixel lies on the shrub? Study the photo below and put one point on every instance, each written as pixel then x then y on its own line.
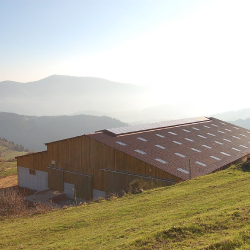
pixel 12 204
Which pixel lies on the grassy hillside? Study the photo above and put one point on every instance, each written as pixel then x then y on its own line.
pixel 8 151
pixel 210 212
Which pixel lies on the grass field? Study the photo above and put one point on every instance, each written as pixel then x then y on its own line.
pixel 210 212
pixel 7 165
pixel 7 168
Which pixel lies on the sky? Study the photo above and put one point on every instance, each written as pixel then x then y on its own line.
pixel 188 49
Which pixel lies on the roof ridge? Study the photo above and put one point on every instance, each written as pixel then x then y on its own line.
pixel 152 126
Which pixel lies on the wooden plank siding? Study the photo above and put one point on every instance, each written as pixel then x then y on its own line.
pixel 56 179
pixel 86 155
pixel 38 161
pixel 117 181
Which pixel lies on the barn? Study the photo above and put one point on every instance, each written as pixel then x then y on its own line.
pixel 107 161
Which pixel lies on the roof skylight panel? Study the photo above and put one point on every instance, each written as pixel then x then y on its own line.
pixel 211 134
pixel 225 154
pixel 161 161
pixel 206 146
pixel 214 125
pixel 121 143
pixel 159 146
pixel 243 135
pixel 195 128
pixel 236 128
pixel 216 158
pixel 218 142
pixel 223 123
pixel 243 146
pixel 142 139
pixel 221 132
pixel 228 129
pixel 186 130
pixel 183 170
pixel 172 133
pixel 236 137
pixel 183 156
pixel 197 150
pixel 140 152
pixel 206 126
pixel 188 139
pixel 202 136
pixel 227 140
pixel 200 163
pixel 177 142
pixel 236 149
pixel 162 136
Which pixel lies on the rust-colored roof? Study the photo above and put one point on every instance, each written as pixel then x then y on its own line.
pixel 209 143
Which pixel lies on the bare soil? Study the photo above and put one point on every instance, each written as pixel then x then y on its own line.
pixel 8 181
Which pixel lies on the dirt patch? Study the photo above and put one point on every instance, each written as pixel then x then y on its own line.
pixel 8 181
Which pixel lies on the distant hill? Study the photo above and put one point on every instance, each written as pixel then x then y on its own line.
pixel 154 114
pixel 32 131
pixel 65 95
pixel 242 123
pixel 233 115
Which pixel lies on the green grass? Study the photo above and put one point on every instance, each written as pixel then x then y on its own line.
pixel 7 168
pixel 9 154
pixel 210 212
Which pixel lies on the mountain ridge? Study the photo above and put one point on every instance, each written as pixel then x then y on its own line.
pixel 32 131
pixel 64 95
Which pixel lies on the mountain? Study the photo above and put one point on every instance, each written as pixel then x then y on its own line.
pixel 154 114
pixel 62 95
pixel 32 131
pixel 242 123
pixel 233 115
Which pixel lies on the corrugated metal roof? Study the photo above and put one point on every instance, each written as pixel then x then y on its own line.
pixel 204 159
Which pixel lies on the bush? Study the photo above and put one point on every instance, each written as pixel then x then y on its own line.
pixel 12 204
pixel 142 184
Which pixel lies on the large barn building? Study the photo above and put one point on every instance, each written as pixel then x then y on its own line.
pixel 107 161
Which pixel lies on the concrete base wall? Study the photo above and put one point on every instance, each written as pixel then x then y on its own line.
pixel 38 182
pixel 97 194
pixel 69 190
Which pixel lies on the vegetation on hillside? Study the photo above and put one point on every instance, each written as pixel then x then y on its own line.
pixel 13 204
pixel 209 212
pixel 32 131
pixel 8 151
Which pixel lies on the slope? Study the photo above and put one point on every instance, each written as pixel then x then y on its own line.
pixel 209 212
pixel 8 152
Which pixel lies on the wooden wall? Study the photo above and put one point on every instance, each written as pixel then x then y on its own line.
pixel 38 161
pixel 86 155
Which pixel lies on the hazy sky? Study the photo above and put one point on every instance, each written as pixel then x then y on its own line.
pixel 191 49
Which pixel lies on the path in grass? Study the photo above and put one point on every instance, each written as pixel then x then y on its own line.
pixel 8 181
